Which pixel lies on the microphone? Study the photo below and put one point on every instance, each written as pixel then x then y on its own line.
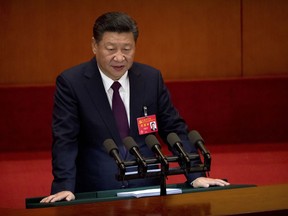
pixel 197 140
pixel 113 151
pixel 133 148
pixel 155 146
pixel 175 142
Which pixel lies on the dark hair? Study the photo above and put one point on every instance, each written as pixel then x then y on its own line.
pixel 114 22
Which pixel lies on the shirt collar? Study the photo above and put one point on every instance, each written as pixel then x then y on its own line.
pixel 107 81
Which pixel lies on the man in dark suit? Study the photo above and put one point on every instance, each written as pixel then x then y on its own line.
pixel 83 113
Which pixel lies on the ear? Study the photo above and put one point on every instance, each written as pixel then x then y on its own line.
pixel 94 45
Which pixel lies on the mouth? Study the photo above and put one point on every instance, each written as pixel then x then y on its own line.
pixel 118 68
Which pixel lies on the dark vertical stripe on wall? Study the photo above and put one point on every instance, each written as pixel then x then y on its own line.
pixel 241 39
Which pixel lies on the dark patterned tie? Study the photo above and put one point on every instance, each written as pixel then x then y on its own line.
pixel 120 115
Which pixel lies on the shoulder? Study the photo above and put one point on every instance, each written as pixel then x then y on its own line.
pixel 141 66
pixel 78 74
pixel 79 70
pixel 144 69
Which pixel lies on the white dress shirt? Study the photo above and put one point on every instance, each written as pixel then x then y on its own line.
pixel 124 90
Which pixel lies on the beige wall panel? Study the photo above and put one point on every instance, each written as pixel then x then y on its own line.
pixel 265 37
pixel 186 39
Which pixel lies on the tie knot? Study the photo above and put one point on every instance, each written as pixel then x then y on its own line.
pixel 115 86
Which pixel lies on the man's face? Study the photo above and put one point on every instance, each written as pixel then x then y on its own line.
pixel 115 53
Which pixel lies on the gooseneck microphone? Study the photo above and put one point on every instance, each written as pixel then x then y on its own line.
pixel 197 140
pixel 175 142
pixel 155 146
pixel 133 148
pixel 113 151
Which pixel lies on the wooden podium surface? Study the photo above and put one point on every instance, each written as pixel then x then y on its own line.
pixel 263 200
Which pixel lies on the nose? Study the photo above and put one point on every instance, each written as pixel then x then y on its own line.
pixel 119 57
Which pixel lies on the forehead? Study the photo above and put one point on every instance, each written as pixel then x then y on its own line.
pixel 118 38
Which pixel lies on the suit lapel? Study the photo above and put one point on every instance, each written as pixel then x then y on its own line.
pixel 137 98
pixel 96 91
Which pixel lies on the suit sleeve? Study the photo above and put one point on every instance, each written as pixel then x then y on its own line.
pixel 169 120
pixel 65 129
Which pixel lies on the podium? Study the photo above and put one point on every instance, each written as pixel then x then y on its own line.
pixel 111 195
pixel 230 200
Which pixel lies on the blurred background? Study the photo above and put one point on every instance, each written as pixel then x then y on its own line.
pixel 185 39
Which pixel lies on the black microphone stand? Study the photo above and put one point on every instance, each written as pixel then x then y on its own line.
pixel 165 170
pixel 163 190
pixel 163 176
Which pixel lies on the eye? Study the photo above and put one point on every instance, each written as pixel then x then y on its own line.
pixel 110 48
pixel 126 49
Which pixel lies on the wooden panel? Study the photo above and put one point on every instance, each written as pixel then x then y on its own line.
pixel 185 39
pixel 265 37
pixel 192 39
pixel 265 200
pixel 41 38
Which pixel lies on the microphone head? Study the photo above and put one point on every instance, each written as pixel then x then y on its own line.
pixel 129 143
pixel 151 141
pixel 109 145
pixel 195 137
pixel 172 139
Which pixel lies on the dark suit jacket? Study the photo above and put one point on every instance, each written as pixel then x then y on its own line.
pixel 83 120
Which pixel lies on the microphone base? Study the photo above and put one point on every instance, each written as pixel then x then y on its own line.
pixel 163 190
